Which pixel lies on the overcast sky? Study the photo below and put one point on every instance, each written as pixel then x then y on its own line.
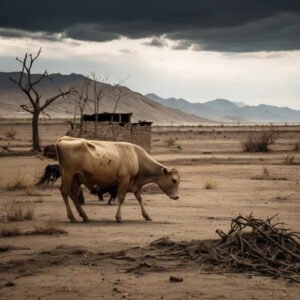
pixel 242 50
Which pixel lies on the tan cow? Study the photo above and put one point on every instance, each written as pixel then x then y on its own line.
pixel 124 165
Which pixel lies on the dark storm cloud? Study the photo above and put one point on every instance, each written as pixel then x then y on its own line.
pixel 231 25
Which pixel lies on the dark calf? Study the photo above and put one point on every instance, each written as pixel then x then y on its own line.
pixel 96 190
pixel 112 190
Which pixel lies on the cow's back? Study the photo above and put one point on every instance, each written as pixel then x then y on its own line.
pixel 102 161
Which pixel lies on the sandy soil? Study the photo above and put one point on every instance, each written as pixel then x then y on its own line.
pixel 73 266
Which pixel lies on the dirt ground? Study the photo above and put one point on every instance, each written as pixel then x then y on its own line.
pixel 74 265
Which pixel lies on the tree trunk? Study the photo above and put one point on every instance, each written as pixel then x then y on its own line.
pixel 35 132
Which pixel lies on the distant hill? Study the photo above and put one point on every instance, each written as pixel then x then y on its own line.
pixel 226 110
pixel 142 107
pixel 198 109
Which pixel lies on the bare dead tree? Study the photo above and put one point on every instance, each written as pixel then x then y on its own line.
pixel 36 105
pixel 100 89
pixel 83 102
pixel 119 93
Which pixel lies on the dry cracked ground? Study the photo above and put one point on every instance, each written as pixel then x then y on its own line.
pixel 77 262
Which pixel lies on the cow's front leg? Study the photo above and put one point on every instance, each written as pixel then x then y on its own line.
pixel 121 198
pixel 138 196
pixel 122 190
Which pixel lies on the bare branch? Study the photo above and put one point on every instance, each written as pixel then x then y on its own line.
pixel 45 74
pixel 46 114
pixel 23 106
pixel 62 94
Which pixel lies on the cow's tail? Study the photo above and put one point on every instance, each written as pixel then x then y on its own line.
pixel 44 180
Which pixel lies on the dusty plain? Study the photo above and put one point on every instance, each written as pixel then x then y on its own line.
pixel 66 266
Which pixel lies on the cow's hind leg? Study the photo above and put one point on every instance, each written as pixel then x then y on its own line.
pixel 75 192
pixel 138 196
pixel 64 189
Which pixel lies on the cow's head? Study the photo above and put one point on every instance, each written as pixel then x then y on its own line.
pixel 168 181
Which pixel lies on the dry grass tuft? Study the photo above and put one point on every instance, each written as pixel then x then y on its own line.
pixel 11 133
pixel 19 183
pixel 210 184
pixel 16 212
pixel 266 172
pixel 267 176
pixel 297 146
pixel 289 160
pixel 260 142
pixel 49 229
pixel 170 141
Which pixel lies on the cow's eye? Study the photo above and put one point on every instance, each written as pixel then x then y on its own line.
pixel 174 181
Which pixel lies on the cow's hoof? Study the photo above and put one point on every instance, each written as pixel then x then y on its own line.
pixel 73 220
pixel 86 220
pixel 148 219
pixel 119 220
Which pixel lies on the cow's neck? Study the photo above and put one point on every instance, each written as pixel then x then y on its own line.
pixel 149 171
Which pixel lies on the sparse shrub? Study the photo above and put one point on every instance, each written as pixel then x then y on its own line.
pixel 49 151
pixel 11 133
pixel 169 141
pixel 14 212
pixel 289 160
pixel 210 184
pixel 261 142
pixel 297 146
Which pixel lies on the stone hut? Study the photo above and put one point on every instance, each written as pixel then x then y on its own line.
pixel 116 127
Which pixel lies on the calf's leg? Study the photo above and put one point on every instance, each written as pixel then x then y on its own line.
pixel 110 200
pixel 138 196
pixel 100 195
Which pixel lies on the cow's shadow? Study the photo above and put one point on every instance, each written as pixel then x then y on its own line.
pixel 113 223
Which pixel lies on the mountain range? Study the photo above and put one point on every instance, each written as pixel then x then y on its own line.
pixel 143 108
pixel 227 111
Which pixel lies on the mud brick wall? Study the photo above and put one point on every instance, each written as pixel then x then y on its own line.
pixel 132 133
pixel 141 135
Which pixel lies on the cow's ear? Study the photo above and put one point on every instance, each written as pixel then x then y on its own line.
pixel 164 170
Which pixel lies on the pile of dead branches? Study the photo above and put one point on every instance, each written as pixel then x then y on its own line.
pixel 251 245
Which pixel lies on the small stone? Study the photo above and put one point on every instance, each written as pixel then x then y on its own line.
pixel 116 290
pixel 176 279
pixel 9 284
